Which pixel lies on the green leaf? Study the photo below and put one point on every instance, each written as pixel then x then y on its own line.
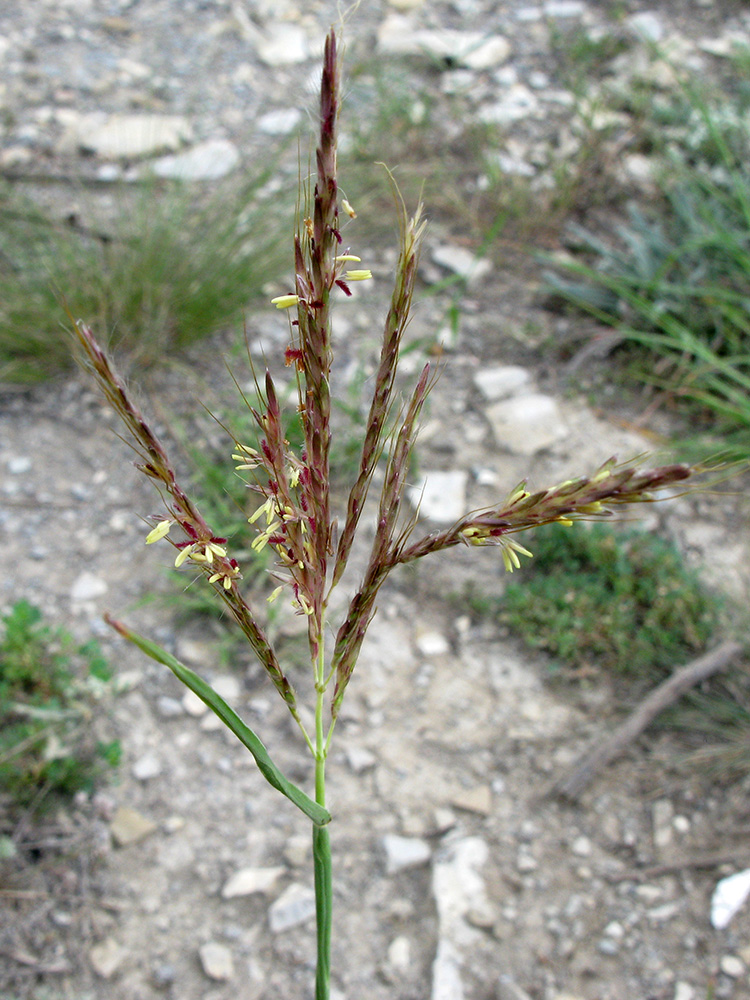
pixel 231 720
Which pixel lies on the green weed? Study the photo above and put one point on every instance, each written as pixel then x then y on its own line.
pixel 46 743
pixel 600 600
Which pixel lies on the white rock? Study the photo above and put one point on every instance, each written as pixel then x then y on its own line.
pixel 227 686
pixel 405 852
pixel 193 705
pixel 296 905
pixel 729 897
pixel 459 889
pixel 206 161
pixel 462 262
pixel 732 966
pixel 525 425
pixel 283 44
pixel 131 136
pixel 18 464
pixel 501 382
pixel 684 991
pixel 399 954
pixel 106 957
pixel 440 496
pixel 564 8
pixel 581 847
pixel 87 587
pixel 216 960
pixel 360 759
pixel 508 989
pixel 662 813
pixel 279 122
pixel 516 103
pixel 646 24
pixel 446 973
pixel 472 49
pixel 147 766
pixel 432 644
pixel 251 880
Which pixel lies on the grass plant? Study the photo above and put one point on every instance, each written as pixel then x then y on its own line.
pixel 159 269
pixel 674 281
pixel 296 517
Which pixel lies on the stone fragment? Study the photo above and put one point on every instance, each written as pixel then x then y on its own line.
pixel 146 767
pixel 732 966
pixel 516 102
pixel 405 852
pixel 106 957
pixel 581 847
pixel 646 24
pixel 251 880
pixel 476 800
pixel 127 137
pixel 18 464
pixel 446 973
pixel 128 827
pixel 501 382
pixel 216 961
pixel 360 759
pixel 280 122
pixel 683 991
pixel 564 8
pixel 662 813
pixel 168 708
pixel 206 161
pixel 458 888
pixel 87 587
pixel 525 425
pixel 283 44
pixel 296 905
pixel 440 496
pixel 462 262
pixel 227 686
pixel 432 644
pixel 472 49
pixel 193 705
pixel 729 897
pixel 400 954
pixel 508 989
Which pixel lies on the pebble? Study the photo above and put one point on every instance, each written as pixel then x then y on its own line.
pixel 280 122
pixel 526 425
pixel 462 262
pixel 405 852
pixel 581 847
pixel 446 973
pixel 146 767
pixel 295 906
pixel 107 957
pixel 400 954
pixel 169 708
pixel 283 45
pixel 127 137
pixel 128 826
pixel 216 961
pixel 732 966
pixel 440 496
pixel 475 800
pixel 251 880
pixel 397 36
pixel 193 705
pixel 87 587
pixel 501 382
pixel 432 644
pixel 360 759
pixel 208 161
pixel 18 464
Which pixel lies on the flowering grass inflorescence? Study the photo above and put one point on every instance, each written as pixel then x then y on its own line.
pixel 294 517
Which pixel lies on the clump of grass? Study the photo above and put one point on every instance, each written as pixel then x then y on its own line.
pixel 674 282
pixel 47 687
pixel 602 600
pixel 164 269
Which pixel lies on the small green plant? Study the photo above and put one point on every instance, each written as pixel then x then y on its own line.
pixel 46 744
pixel 297 504
pixel 602 599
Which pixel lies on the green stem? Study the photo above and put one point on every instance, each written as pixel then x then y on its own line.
pixel 322 841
